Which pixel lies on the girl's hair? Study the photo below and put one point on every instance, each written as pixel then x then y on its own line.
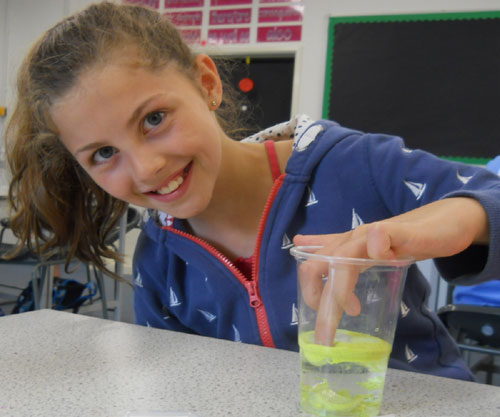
pixel 54 203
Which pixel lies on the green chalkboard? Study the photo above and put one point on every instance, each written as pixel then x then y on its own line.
pixel 433 79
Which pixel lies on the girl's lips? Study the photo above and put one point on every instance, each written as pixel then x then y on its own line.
pixel 174 187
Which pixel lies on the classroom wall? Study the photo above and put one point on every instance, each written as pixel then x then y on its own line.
pixel 22 21
pixel 315 29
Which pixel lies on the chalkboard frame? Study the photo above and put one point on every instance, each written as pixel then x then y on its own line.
pixel 333 21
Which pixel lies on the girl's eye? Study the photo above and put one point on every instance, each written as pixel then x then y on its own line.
pixel 152 120
pixel 103 154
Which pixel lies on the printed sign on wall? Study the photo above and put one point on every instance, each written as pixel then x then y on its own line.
pixel 279 33
pixel 229 2
pixel 191 36
pixel 281 14
pixel 193 18
pixel 229 36
pixel 230 16
pixel 183 3
pixel 155 4
pixel 280 1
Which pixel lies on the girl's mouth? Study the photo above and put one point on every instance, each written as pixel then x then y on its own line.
pixel 174 183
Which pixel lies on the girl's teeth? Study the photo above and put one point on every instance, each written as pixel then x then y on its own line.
pixel 172 186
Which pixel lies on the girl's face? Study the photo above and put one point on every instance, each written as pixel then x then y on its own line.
pixel 148 138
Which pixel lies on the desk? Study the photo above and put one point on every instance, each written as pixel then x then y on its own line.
pixel 60 364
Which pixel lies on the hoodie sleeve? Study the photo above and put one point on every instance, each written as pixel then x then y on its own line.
pixel 406 179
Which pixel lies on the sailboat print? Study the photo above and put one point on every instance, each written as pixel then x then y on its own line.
pixel 416 188
pixel 287 242
pixel 312 197
pixel 237 337
pixel 174 301
pixel 356 220
pixel 372 296
pixel 404 309
pixel 209 316
pixel 295 315
pixel 410 356
pixel 138 280
pixel 463 180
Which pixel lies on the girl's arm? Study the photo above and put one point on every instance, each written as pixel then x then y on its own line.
pixel 439 229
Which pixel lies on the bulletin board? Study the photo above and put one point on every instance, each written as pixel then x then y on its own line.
pixel 235 22
pixel 433 79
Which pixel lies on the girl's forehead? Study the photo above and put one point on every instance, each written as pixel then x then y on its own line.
pixel 120 67
pixel 112 81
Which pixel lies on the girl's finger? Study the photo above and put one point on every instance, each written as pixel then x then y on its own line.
pixel 337 296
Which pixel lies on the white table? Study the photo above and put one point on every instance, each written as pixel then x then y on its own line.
pixel 61 364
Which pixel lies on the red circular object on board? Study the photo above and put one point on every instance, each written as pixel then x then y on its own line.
pixel 246 85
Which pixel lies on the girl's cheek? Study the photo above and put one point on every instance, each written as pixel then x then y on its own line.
pixel 111 183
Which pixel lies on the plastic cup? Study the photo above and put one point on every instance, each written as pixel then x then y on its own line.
pixel 343 357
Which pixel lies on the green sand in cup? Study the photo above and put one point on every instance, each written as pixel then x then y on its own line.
pixel 346 379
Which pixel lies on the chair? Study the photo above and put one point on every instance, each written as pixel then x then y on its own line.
pixel 24 257
pixel 131 221
pixel 42 276
pixel 476 328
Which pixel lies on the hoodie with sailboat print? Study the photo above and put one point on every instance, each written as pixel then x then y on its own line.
pixel 336 179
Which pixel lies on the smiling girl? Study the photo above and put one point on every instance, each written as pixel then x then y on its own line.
pixel 114 108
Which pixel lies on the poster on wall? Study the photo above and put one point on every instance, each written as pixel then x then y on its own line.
pixel 221 22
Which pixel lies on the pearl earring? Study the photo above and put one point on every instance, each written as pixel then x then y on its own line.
pixel 214 103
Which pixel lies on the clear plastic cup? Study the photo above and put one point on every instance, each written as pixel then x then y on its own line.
pixel 344 357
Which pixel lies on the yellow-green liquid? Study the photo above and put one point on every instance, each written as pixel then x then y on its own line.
pixel 346 379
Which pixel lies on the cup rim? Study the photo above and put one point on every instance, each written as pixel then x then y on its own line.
pixel 304 252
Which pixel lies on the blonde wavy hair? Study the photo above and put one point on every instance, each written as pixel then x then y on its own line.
pixel 54 203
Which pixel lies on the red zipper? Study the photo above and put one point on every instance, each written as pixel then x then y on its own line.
pixel 251 285
pixel 265 331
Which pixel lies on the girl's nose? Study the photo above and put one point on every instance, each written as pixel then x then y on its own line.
pixel 145 163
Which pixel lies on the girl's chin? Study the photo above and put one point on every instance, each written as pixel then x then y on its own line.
pixel 186 211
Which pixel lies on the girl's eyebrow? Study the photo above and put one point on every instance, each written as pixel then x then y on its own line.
pixel 138 111
pixel 135 115
pixel 89 146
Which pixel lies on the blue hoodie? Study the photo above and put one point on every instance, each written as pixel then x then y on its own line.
pixel 335 180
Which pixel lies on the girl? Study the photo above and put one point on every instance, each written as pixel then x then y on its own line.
pixel 113 107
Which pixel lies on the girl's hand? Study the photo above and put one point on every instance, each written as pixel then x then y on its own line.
pixel 443 228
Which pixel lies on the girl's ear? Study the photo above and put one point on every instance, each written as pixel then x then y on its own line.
pixel 209 80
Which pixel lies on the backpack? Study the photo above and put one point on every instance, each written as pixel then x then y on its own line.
pixel 67 294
